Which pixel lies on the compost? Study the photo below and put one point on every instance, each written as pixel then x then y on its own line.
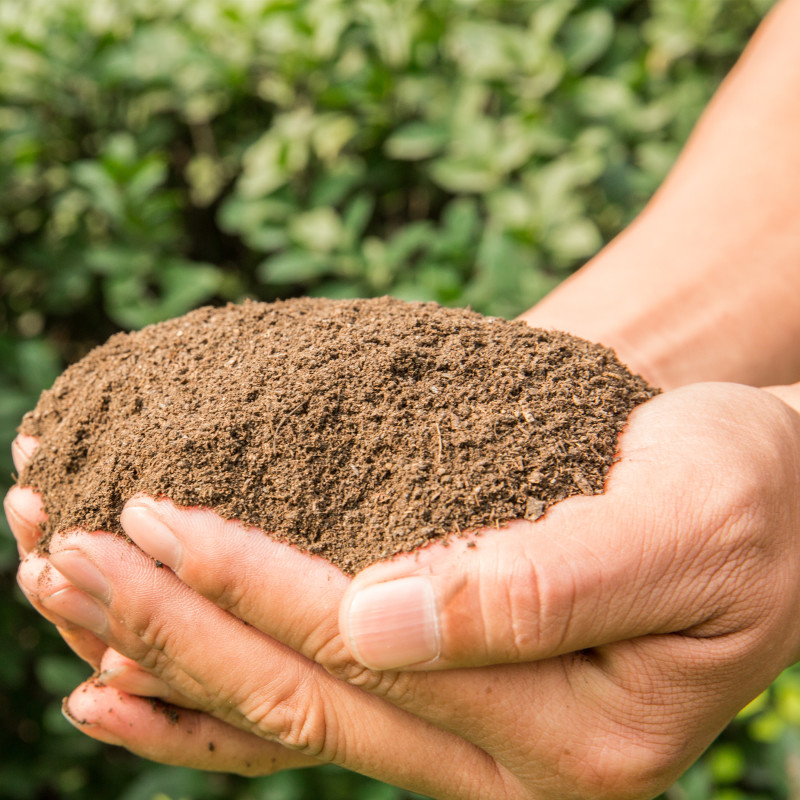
pixel 353 429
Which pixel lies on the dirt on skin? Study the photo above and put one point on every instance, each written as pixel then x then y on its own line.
pixel 353 429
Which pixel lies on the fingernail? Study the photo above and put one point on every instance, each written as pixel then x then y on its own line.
pixel 77 608
pixel 394 624
pixel 152 534
pixel 25 533
pixel 77 569
pixel 85 726
pixel 22 451
pixel 32 575
pixel 14 517
pixel 134 681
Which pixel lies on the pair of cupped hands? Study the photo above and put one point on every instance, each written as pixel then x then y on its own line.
pixel 593 653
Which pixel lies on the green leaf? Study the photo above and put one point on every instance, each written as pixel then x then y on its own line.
pixel 333 186
pixel 296 266
pixel 244 215
pixel 264 167
pixel 727 763
pixel 357 215
pixel 61 674
pixel 407 241
pixel 586 37
pixel 177 286
pixel 415 141
pixel 339 290
pixel 574 239
pixel 119 260
pixel 166 783
pixel 319 230
pixel 597 97
pixel 186 285
pixel 105 194
pixel 465 175
pixel 267 238
pixel 460 225
pixel 39 364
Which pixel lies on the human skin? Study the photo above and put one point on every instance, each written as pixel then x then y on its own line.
pixel 678 581
pixel 705 284
pixel 628 628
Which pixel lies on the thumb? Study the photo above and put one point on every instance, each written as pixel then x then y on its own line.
pixel 581 577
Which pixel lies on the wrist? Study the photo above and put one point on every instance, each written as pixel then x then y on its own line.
pixel 678 312
pixel 632 298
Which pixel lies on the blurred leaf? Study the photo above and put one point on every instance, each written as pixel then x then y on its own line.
pixel 166 783
pixel 93 177
pixel 295 266
pixel 319 230
pixel 601 97
pixel 39 364
pixel 61 674
pixel 727 763
pixel 415 141
pixel 577 238
pixel 402 246
pixel 250 217
pixel 333 186
pixel 183 285
pixel 357 216
pixel 339 290
pixel 145 180
pixel 464 175
pixel 586 37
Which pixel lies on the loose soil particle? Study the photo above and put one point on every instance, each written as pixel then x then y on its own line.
pixel 353 429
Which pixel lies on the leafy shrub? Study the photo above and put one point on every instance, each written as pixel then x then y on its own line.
pixel 160 154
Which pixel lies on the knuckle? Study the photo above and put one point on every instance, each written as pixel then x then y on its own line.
pixel 393 686
pixel 334 657
pixel 537 611
pixel 224 585
pixel 151 641
pixel 627 770
pixel 651 770
pixel 227 593
pixel 297 718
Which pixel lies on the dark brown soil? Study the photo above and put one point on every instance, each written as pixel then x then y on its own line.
pixel 352 429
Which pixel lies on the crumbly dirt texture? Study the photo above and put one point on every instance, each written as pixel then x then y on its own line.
pixel 352 429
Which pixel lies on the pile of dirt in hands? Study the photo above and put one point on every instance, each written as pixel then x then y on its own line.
pixel 353 429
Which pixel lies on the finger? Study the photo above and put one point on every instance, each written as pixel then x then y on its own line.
pixel 33 576
pixel 658 552
pixel 181 738
pixel 125 675
pixel 36 578
pixel 567 697
pixel 224 560
pixel 112 668
pixel 246 678
pixel 575 698
pixel 84 644
pixel 25 515
pixel 22 450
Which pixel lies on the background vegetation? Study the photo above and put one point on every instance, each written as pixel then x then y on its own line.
pixel 160 154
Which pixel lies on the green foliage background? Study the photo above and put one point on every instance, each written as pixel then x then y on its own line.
pixel 160 154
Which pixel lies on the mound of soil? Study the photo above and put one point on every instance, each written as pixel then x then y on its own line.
pixel 353 429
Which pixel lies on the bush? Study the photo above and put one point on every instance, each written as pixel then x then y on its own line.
pixel 160 154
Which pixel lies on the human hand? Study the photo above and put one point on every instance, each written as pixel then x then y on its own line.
pixel 110 706
pixel 619 633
